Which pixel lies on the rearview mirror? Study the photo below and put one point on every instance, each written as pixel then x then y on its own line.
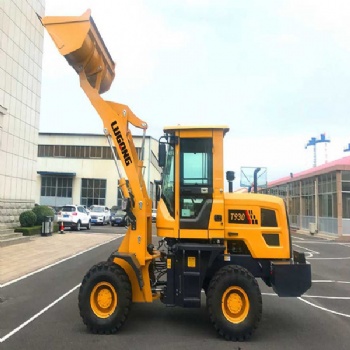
pixel 161 154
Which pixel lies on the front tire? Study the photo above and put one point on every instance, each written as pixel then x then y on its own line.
pixel 234 303
pixel 88 227
pixel 105 298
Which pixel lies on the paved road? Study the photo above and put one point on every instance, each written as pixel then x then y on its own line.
pixel 40 312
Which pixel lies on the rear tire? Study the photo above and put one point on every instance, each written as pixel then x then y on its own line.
pixel 105 298
pixel 78 226
pixel 234 303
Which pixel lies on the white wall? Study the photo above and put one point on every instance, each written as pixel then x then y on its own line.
pixel 21 37
pixel 90 168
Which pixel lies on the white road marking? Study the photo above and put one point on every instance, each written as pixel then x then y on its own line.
pixel 317 306
pixel 326 243
pixel 324 309
pixel 58 262
pixel 309 252
pixel 302 239
pixel 347 245
pixel 311 296
pixel 329 281
pixel 325 297
pixel 306 296
pixel 8 335
pixel 345 258
pixel 323 281
pixel 342 282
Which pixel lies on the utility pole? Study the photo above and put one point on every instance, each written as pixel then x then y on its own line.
pixel 313 142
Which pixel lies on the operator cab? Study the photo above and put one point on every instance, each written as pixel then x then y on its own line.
pixel 192 161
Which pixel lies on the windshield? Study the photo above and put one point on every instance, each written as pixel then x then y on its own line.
pixel 97 209
pixel 68 209
pixel 168 181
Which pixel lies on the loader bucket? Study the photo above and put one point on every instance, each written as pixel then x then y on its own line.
pixel 79 41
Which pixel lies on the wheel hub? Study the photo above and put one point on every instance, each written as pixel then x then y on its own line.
pixel 103 299
pixel 235 304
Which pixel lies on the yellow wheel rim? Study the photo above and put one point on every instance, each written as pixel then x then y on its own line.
pixel 103 299
pixel 235 304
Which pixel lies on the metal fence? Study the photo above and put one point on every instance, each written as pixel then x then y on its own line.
pixel 326 225
pixel 346 226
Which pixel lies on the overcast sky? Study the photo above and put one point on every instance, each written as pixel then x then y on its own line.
pixel 276 72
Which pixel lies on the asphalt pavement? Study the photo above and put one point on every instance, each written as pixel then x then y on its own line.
pixel 38 306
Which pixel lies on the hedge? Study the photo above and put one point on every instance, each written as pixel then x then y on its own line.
pixel 35 230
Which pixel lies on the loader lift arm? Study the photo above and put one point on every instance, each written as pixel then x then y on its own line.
pixel 79 41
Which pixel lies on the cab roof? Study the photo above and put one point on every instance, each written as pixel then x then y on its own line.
pixel 168 129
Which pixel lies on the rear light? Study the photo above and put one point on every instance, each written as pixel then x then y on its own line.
pixel 75 213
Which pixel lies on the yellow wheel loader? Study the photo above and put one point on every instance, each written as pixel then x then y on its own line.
pixel 211 241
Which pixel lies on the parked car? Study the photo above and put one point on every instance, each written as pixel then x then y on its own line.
pixel 74 216
pixel 114 209
pixel 86 208
pixel 118 218
pixel 100 214
pixel 154 215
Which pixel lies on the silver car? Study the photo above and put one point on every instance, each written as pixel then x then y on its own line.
pixel 100 214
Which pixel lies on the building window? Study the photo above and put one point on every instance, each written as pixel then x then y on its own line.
pixel 93 192
pixel 52 186
pixel 95 152
pixel 346 205
pixel 45 150
pixel 59 151
pixel 86 152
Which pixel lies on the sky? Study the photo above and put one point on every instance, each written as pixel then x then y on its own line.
pixel 277 73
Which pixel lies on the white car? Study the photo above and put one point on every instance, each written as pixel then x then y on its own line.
pixel 100 214
pixel 74 216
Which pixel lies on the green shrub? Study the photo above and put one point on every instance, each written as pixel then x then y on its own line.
pixel 35 230
pixel 29 231
pixel 41 212
pixel 27 218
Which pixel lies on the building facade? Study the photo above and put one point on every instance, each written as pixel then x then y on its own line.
pixel 80 169
pixel 318 199
pixel 21 50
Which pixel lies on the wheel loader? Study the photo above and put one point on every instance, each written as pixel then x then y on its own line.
pixel 212 244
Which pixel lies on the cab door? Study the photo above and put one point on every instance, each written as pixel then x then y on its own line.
pixel 195 186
